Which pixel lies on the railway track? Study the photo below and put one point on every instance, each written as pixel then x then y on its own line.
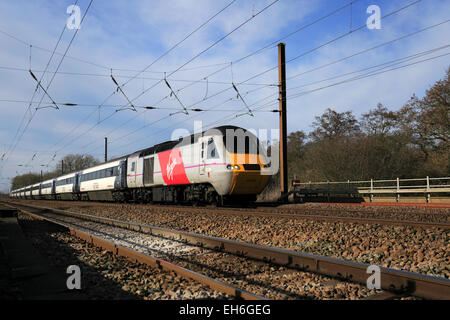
pixel 346 219
pixel 281 213
pixel 392 204
pixel 395 282
pixel 367 210
pixel 100 239
pixel 315 214
pixel 415 219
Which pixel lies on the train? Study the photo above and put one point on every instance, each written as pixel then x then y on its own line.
pixel 222 165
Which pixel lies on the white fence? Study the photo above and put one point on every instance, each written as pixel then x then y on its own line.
pixel 426 186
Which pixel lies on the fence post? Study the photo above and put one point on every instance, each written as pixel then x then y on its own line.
pixel 310 191
pixel 329 190
pixel 428 190
pixel 398 190
pixel 371 190
pixel 348 189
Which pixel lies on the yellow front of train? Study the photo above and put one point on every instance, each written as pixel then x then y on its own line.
pixel 247 177
pixel 251 168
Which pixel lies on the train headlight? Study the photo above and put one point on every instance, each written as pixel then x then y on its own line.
pixel 229 167
pixel 236 167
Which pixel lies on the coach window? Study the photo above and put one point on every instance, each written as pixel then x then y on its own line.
pixel 133 164
pixel 212 150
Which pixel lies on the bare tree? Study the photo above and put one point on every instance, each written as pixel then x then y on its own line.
pixel 75 162
pixel 333 124
pixel 378 121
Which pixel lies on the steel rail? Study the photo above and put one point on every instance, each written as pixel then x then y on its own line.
pixel 396 281
pixel 333 207
pixel 391 204
pixel 443 225
pixel 154 262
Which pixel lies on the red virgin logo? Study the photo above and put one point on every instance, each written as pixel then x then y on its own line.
pixel 172 167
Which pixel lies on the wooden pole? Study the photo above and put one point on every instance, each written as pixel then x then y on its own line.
pixel 283 119
pixel 106 149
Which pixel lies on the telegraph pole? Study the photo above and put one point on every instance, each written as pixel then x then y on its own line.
pixel 62 167
pixel 106 149
pixel 283 120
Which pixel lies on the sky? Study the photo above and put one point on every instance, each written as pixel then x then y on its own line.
pixel 327 43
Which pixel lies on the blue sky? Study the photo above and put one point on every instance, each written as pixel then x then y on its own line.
pixel 129 35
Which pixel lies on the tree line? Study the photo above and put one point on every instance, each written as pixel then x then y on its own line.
pixel 412 142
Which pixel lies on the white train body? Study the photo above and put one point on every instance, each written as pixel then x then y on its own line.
pixel 205 167
pixel 47 189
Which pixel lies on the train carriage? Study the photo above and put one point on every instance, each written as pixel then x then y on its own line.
pixel 64 187
pixel 47 189
pixel 35 191
pixel 100 182
pixel 27 192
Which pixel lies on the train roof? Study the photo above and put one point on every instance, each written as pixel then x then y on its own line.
pixel 109 164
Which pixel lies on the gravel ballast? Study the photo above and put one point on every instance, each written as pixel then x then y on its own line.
pixel 412 249
pixel 106 277
pixel 272 282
